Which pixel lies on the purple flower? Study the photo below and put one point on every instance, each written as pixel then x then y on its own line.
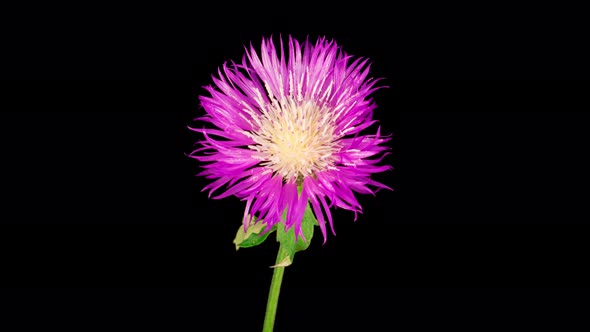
pixel 286 130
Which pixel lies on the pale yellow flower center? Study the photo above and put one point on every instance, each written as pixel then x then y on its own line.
pixel 295 139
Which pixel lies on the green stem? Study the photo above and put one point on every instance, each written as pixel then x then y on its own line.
pixel 273 295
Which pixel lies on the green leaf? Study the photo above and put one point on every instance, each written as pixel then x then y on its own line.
pixel 307 224
pixel 287 238
pixel 252 236
pixel 284 262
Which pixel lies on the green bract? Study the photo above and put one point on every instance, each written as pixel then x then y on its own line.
pixel 289 245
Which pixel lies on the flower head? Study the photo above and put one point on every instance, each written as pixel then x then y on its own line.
pixel 286 130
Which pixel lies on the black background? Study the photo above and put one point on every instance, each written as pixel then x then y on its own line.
pixel 105 225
